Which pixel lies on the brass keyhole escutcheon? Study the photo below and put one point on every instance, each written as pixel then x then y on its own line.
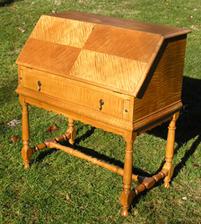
pixel 39 85
pixel 101 103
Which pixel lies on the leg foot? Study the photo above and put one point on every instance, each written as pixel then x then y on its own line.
pixel 166 184
pixel 26 155
pixel 124 212
pixel 167 179
pixel 126 200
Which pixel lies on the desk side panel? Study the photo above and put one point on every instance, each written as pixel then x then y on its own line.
pixel 164 88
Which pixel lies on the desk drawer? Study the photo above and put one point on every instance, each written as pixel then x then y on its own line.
pixel 91 97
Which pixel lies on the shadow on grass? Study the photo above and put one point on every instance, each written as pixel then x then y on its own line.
pixel 188 127
pixel 7 92
pixel 189 122
pixel 6 2
pixel 45 153
pixel 89 152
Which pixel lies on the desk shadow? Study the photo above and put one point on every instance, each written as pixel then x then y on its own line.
pixel 89 152
pixel 189 122
pixel 7 92
pixel 188 127
pixel 7 2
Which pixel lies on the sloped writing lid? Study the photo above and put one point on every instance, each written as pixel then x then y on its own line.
pixel 112 57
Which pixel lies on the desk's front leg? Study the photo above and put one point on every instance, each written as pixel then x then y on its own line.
pixel 26 151
pixel 126 196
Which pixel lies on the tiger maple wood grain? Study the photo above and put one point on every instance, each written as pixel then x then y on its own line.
pixel 128 44
pixel 61 31
pixel 46 56
pixel 166 83
pixel 97 68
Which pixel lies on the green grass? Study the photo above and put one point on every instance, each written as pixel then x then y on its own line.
pixel 61 189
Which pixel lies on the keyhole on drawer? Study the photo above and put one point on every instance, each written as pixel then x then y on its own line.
pixel 39 85
pixel 101 103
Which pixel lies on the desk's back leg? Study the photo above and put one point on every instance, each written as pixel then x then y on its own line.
pixel 170 150
pixel 71 131
pixel 26 151
pixel 126 197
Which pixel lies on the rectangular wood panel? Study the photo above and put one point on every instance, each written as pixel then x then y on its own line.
pixel 46 56
pixel 62 31
pixel 110 71
pixel 72 91
pixel 166 83
pixel 123 43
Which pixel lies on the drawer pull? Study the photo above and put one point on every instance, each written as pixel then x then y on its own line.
pixel 101 103
pixel 39 85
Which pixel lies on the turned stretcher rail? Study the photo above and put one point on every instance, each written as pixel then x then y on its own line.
pixel 43 145
pixel 81 155
pixel 147 183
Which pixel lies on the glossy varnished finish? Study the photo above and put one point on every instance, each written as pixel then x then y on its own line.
pixel 63 46
pixel 165 31
pixel 122 76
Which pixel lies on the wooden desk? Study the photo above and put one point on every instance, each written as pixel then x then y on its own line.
pixel 122 76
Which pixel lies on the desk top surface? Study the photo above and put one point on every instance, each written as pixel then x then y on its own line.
pixel 163 30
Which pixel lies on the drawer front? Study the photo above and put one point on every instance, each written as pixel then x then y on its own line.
pixel 76 92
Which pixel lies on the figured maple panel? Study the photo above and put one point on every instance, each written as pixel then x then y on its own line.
pixel 165 86
pixel 62 31
pixel 124 43
pixel 110 71
pixel 45 56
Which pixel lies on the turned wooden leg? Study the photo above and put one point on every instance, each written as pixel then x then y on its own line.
pixel 71 131
pixel 126 197
pixel 26 150
pixel 170 150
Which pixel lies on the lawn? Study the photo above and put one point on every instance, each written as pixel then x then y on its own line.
pixel 61 189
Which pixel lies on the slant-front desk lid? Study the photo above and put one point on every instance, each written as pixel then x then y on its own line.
pixel 103 51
